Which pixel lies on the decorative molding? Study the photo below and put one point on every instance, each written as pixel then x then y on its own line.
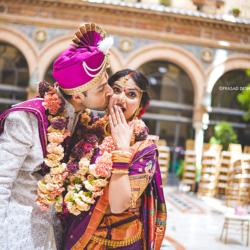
pixel 207 55
pixel 125 45
pixel 146 23
pixel 41 36
pixel 110 14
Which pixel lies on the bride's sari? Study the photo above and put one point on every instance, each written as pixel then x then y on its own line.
pixel 95 230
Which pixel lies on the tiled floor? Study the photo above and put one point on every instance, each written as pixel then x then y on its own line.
pixel 195 224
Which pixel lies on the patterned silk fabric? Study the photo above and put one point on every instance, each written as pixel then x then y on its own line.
pixel 145 182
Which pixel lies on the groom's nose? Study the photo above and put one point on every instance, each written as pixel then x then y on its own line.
pixel 110 91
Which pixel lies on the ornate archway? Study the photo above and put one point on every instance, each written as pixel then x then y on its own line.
pixel 219 68
pixel 173 53
pixel 51 51
pixel 25 44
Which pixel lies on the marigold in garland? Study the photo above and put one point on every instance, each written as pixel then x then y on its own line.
pixel 54 148
pixel 52 102
pixel 96 194
pixel 57 138
pixel 108 145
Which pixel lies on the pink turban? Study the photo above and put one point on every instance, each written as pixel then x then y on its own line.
pixel 84 63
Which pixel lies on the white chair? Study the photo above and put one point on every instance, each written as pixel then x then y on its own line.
pixel 243 226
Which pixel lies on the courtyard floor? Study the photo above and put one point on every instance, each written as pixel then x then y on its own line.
pixel 196 224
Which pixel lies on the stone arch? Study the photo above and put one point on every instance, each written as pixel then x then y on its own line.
pixel 117 61
pixel 219 68
pixel 25 44
pixel 56 46
pixel 51 51
pixel 173 53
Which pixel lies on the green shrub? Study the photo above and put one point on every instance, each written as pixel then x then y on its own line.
pixel 180 170
pixel 224 135
pixel 244 99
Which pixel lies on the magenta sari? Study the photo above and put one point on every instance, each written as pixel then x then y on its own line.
pixel 145 182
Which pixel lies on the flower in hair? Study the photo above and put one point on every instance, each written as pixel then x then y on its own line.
pixel 143 110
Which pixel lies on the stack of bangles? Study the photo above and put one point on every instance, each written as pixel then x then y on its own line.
pixel 121 162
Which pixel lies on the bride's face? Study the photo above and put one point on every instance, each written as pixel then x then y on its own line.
pixel 126 96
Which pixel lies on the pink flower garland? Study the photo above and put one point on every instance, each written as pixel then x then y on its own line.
pixel 78 172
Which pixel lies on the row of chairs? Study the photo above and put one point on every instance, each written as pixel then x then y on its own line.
pixel 237 194
pixel 228 173
pixel 163 159
pixel 210 161
pixel 223 173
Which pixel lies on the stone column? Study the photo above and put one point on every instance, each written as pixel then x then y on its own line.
pixel 199 139
pixel 32 89
pixel 200 122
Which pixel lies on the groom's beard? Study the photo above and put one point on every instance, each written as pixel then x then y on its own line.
pixel 91 105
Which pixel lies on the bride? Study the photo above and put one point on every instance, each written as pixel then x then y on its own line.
pixel 135 173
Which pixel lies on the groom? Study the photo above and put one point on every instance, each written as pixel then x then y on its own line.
pixel 81 75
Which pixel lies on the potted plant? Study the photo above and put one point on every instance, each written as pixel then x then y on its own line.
pixel 235 12
pixel 165 2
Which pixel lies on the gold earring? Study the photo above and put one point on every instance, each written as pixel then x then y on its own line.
pixel 137 113
pixel 107 110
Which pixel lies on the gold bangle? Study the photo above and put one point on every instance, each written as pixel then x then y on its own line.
pixel 123 160
pixel 120 172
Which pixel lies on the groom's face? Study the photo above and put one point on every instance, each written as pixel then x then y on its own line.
pixel 98 96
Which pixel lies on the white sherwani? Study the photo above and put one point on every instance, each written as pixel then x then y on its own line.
pixel 23 226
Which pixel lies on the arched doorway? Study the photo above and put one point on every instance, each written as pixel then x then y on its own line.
pixel 14 76
pixel 171 109
pixel 225 106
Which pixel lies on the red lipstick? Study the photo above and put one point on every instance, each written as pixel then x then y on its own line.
pixel 122 108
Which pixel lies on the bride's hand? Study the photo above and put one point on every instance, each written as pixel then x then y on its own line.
pixel 120 130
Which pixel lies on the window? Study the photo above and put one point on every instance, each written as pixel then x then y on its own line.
pixel 14 76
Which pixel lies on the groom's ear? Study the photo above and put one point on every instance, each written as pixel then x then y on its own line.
pixel 79 97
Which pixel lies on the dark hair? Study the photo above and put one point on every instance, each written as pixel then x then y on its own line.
pixel 68 97
pixel 140 80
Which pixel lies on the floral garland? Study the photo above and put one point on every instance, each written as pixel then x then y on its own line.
pixel 87 181
pixel 73 187
pixel 52 186
pixel 49 189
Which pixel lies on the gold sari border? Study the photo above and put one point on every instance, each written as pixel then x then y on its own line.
pixel 95 220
